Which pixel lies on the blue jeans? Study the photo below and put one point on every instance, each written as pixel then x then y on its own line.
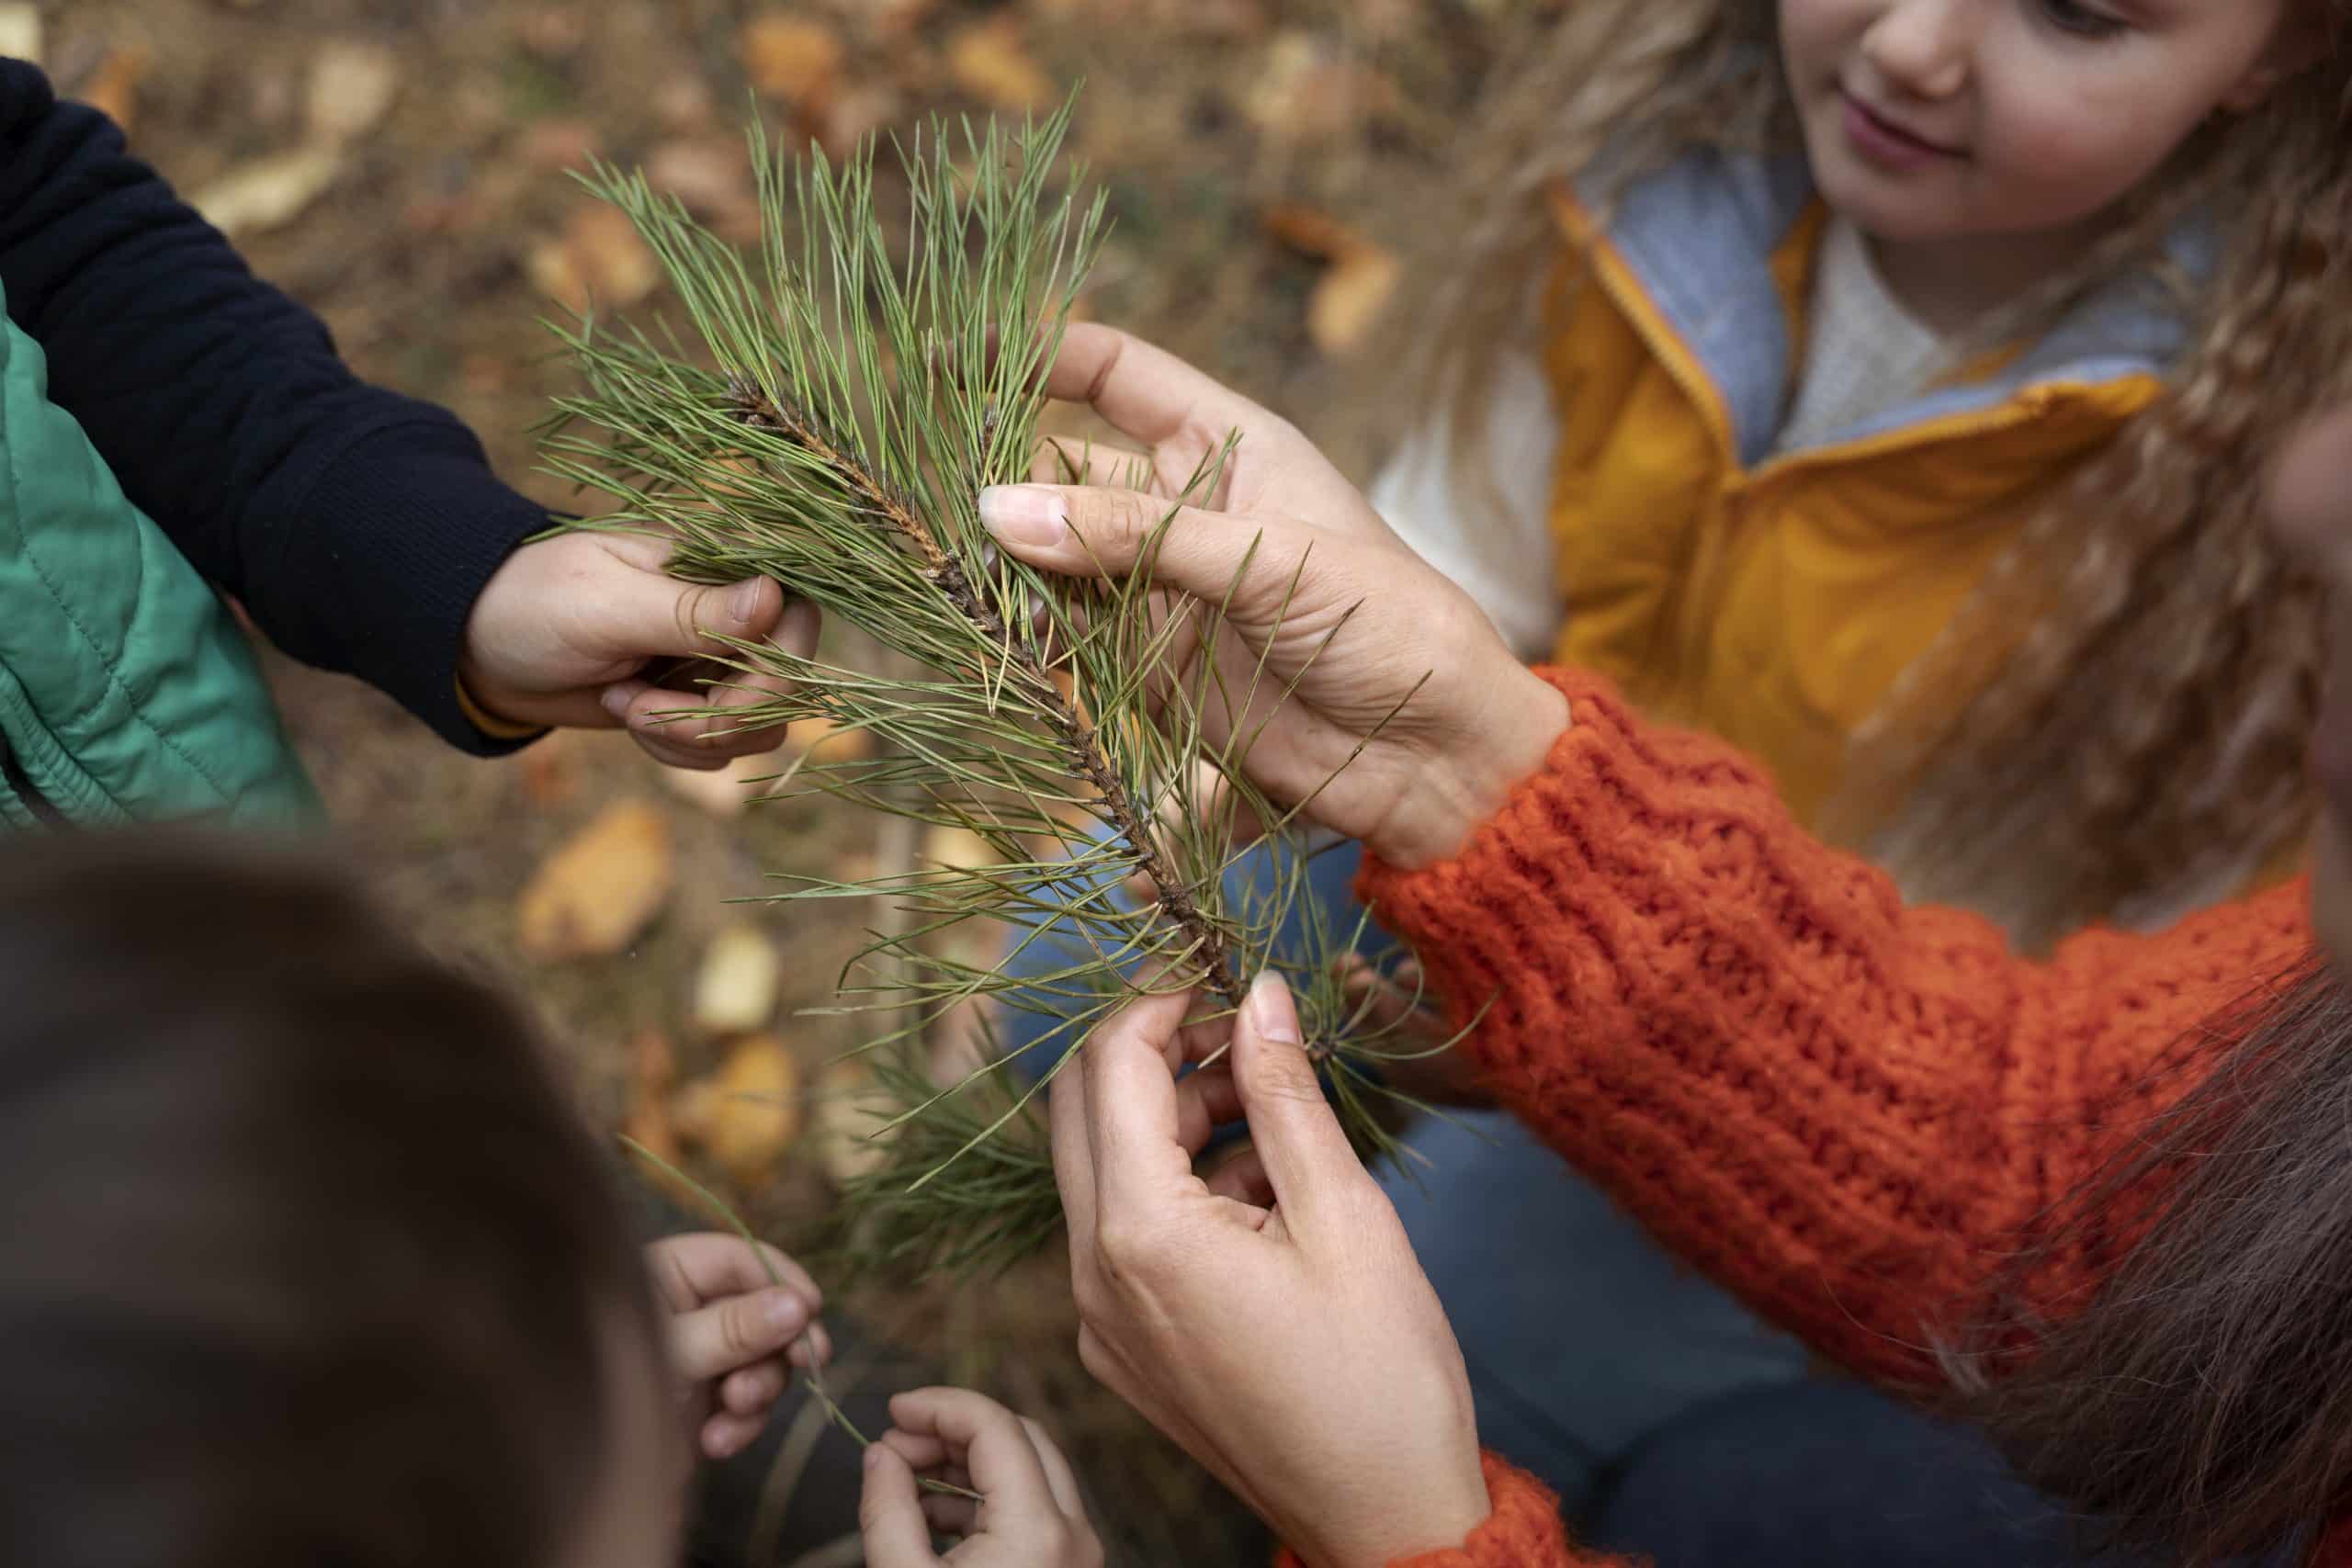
pixel 1581 1334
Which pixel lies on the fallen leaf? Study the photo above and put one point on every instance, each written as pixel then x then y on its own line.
pixel 654 1071
pixel 1309 230
pixel 756 1110
pixel 553 32
pixel 113 87
pixel 547 772
pixel 793 58
pixel 850 1111
pixel 351 89
pixel 270 193
pixel 711 175
pixel 735 992
pixel 857 113
pixel 1308 91
pixel 722 792
pixel 989 61
pixel 599 262
pixel 20 31
pixel 594 895
pixel 559 143
pixel 683 102
pixel 1350 298
pixel 957 847
pixel 836 743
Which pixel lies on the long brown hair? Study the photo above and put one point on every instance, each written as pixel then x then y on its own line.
pixel 304 1256
pixel 2114 723
pixel 2201 1400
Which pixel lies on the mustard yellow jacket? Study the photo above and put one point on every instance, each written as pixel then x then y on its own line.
pixel 1772 598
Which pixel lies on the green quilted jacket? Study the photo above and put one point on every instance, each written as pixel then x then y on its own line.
pixel 128 691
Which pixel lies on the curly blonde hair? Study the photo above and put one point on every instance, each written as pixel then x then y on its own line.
pixel 2113 726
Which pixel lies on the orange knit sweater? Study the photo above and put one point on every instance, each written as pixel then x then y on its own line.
pixel 1848 1112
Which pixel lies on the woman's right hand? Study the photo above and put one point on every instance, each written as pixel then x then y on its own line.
pixel 1338 632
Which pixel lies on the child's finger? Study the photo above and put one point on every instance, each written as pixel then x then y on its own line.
pixel 951 1515
pixel 1241 1176
pixel 703 1266
pixel 1059 1477
pixel 725 1434
pixel 922 1451
pixel 750 1390
pixel 1004 1466
pixel 889 1515
pixel 812 1349
pixel 713 1340
pixel 1205 1100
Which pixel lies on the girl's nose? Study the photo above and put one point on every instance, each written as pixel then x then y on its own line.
pixel 1923 49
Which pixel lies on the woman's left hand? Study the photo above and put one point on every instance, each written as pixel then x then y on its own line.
pixel 734 1334
pixel 1272 1319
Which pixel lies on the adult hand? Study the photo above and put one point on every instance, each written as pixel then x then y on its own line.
pixel 1030 1516
pixel 1321 591
pixel 571 631
pixel 1272 1319
pixel 732 1334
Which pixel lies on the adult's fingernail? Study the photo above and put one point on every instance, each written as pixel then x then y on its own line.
pixel 787 1313
pixel 744 603
pixel 1025 514
pixel 1271 1013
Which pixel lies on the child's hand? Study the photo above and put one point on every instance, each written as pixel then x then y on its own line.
pixel 1032 1517
pixel 568 630
pixel 732 1334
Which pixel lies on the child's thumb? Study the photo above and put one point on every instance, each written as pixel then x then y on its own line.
pixel 889 1514
pixel 651 615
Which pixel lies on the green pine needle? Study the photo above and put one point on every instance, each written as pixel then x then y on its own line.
pixel 844 396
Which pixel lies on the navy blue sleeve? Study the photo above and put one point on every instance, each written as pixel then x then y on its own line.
pixel 355 525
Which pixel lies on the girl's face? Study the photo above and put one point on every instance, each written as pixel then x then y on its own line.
pixel 1939 119
pixel 2312 514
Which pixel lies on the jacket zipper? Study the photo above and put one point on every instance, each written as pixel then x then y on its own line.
pixel 20 783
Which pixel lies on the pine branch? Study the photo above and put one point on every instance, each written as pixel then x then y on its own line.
pixel 830 422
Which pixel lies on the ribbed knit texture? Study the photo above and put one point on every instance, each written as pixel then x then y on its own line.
pixel 1523 1531
pixel 1849 1113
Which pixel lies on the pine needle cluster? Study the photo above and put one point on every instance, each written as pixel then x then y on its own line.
pixel 844 396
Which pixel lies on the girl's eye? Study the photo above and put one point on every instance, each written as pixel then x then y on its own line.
pixel 2083 21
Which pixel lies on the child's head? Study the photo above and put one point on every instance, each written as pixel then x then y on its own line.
pixel 2115 720
pixel 1934 120
pixel 304 1257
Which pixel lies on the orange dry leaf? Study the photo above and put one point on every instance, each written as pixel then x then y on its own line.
pixel 1350 298
pixel 113 87
pixel 1309 230
pixel 735 992
pixel 599 262
pixel 754 1109
pixel 599 891
pixel 793 58
pixel 989 61
pixel 653 1072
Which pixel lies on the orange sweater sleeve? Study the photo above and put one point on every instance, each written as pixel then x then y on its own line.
pixel 1523 1531
pixel 1848 1111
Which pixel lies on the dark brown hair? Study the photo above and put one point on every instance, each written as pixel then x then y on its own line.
pixel 304 1258
pixel 2201 1400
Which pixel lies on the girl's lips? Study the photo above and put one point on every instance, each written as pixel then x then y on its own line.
pixel 1882 142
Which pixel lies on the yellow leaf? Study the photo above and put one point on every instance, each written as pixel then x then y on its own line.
pixel 599 261
pixel 113 87
pixel 351 89
pixel 989 61
pixel 270 193
pixel 735 991
pixel 796 58
pixel 20 31
pixel 955 847
pixel 1350 298
pixel 652 1070
pixel 850 1111
pixel 757 1112
pixel 596 893
pixel 826 742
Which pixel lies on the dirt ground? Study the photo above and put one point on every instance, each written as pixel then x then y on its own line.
pixel 430 240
